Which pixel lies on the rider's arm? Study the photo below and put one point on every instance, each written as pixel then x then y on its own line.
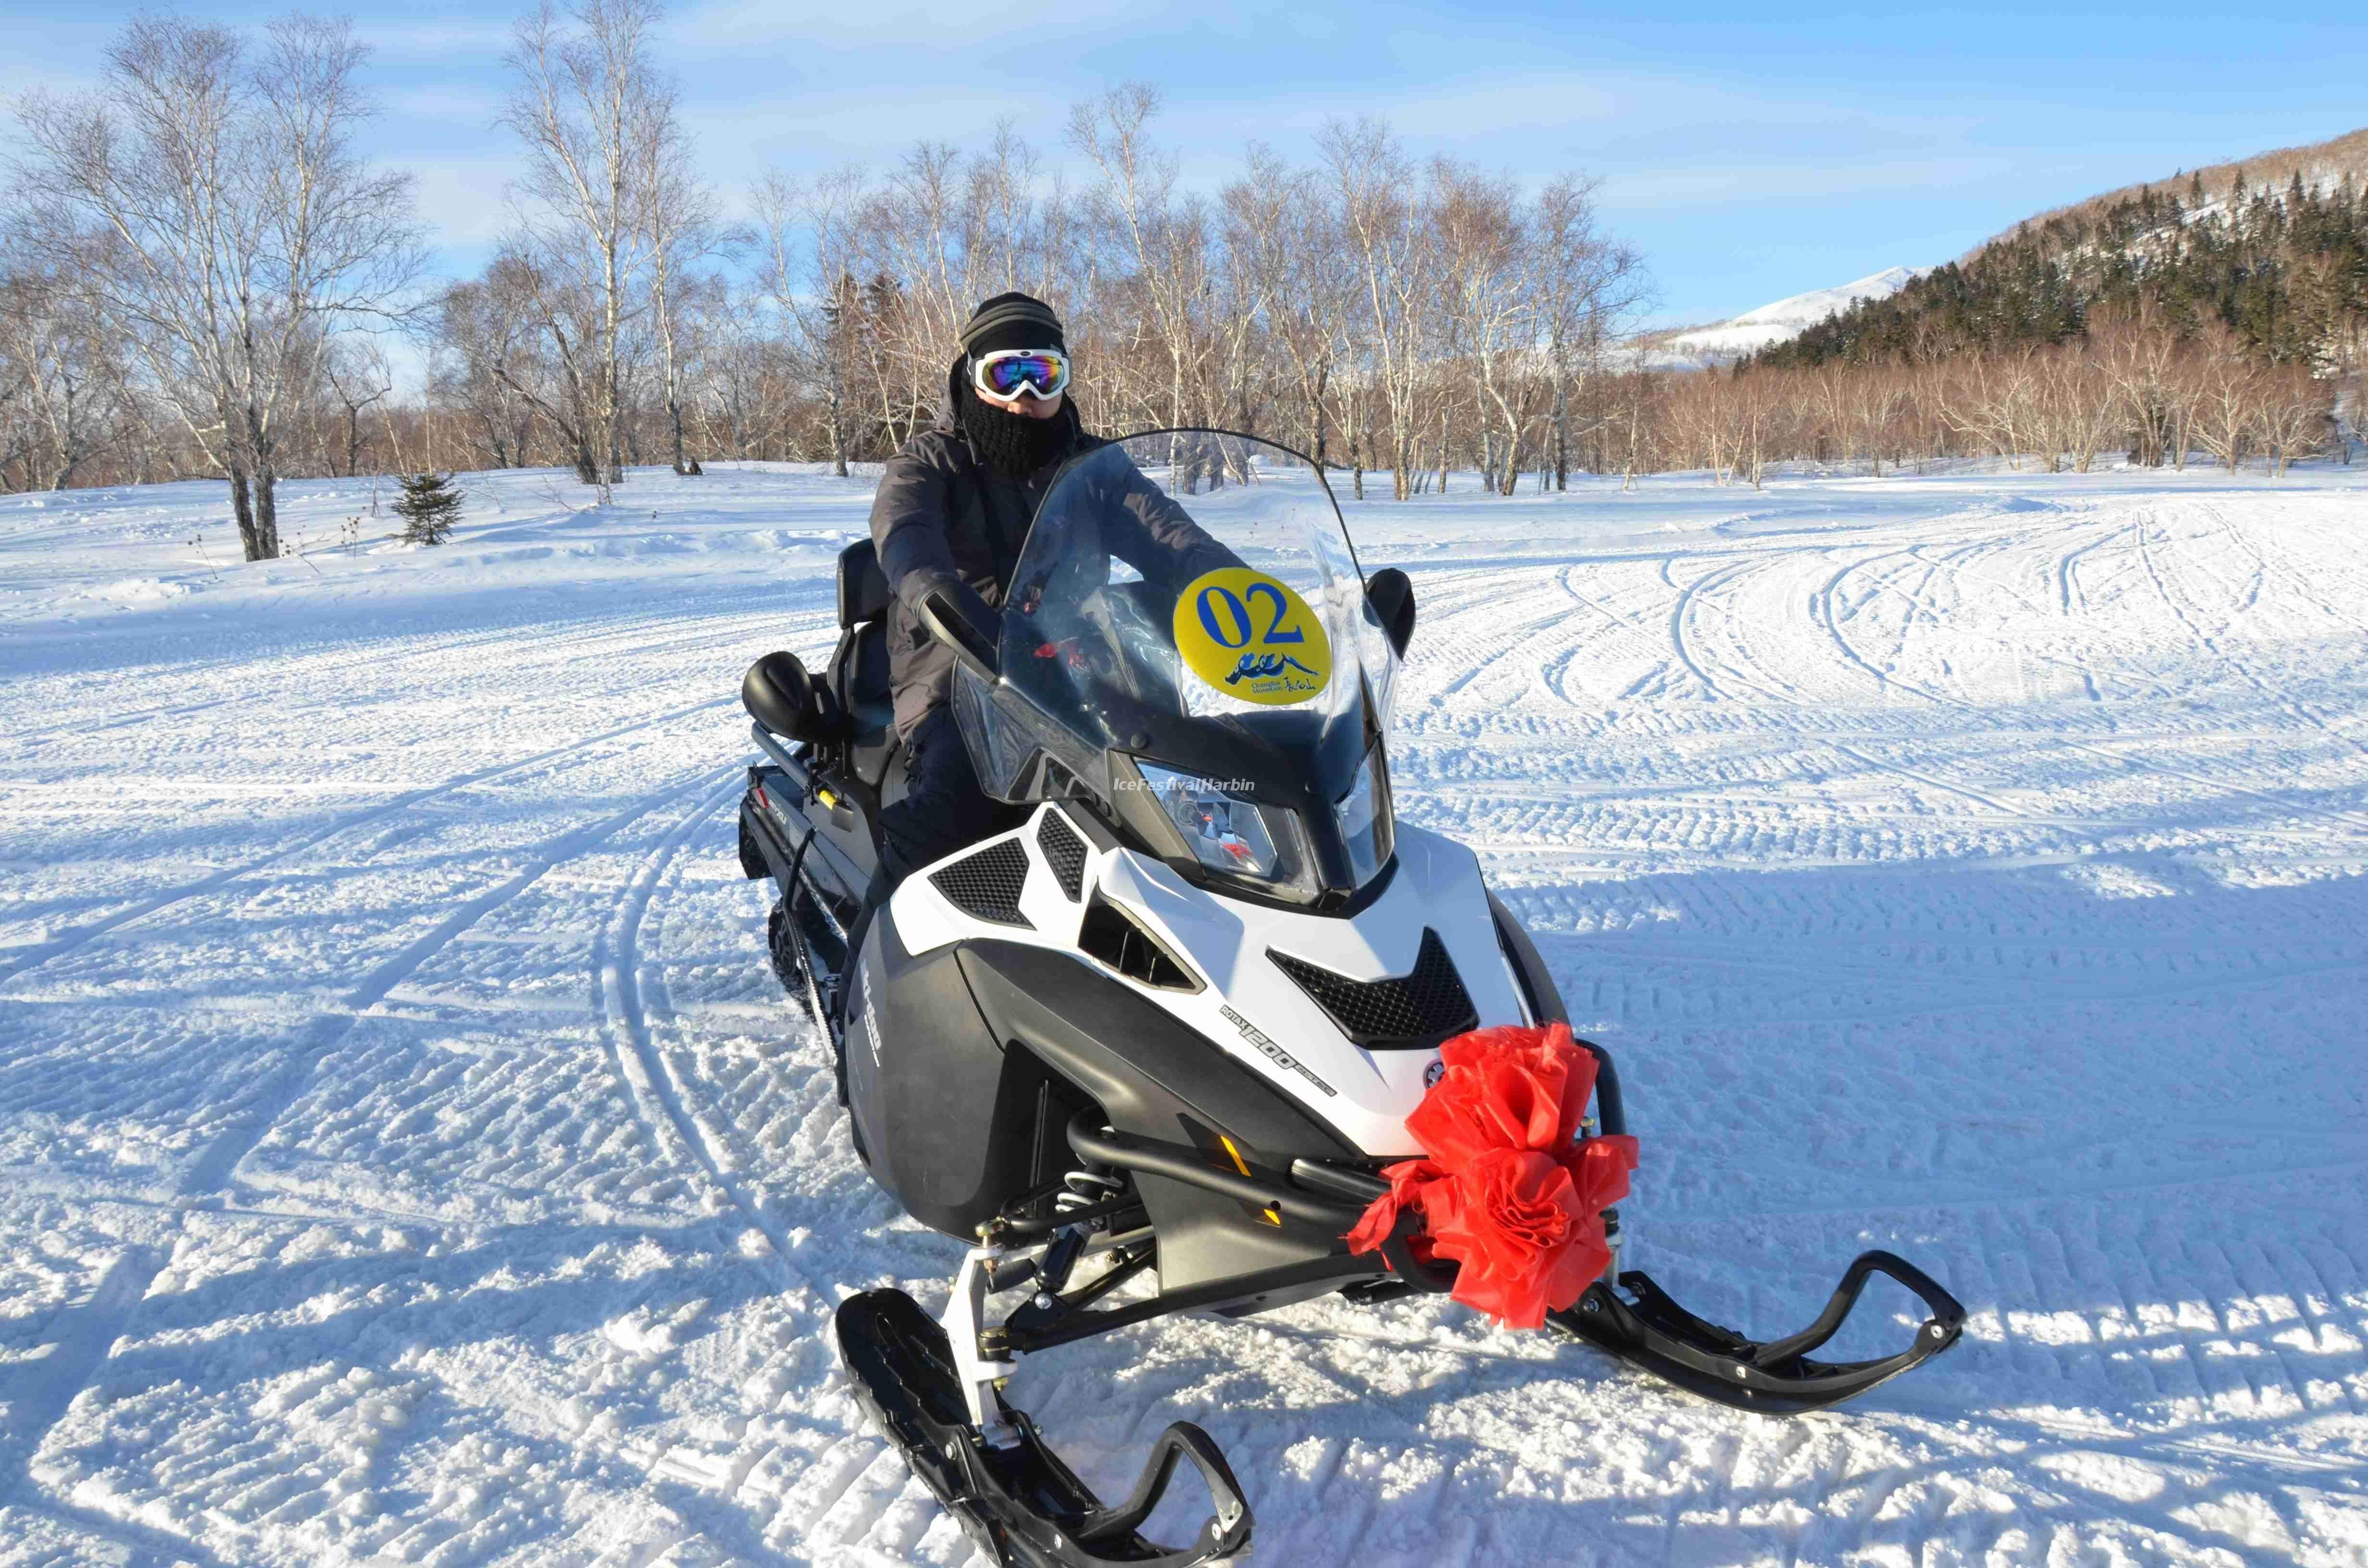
pixel 908 525
pixel 1159 538
pixel 908 529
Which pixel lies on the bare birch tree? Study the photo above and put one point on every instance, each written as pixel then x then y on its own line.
pixel 358 376
pixel 1163 240
pixel 1389 239
pixel 1591 284
pixel 242 229
pixel 2222 390
pixel 591 109
pixel 1492 283
pixel 60 368
pixel 808 238
pixel 685 229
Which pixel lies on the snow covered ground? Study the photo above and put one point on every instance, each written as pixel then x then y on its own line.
pixel 409 1159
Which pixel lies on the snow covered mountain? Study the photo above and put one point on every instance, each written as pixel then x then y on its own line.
pixel 1771 323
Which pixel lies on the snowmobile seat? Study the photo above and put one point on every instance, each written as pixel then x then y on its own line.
pixel 859 670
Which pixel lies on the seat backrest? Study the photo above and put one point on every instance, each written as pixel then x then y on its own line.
pixel 862 586
pixel 859 674
pixel 871 712
pixel 867 671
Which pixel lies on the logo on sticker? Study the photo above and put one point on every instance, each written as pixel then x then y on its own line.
pixel 1252 637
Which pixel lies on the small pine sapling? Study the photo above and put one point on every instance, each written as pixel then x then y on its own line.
pixel 428 505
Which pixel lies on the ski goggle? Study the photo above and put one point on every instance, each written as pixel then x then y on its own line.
pixel 1008 372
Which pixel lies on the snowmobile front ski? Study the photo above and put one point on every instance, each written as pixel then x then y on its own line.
pixel 1650 1331
pixel 1012 1494
pixel 1655 1335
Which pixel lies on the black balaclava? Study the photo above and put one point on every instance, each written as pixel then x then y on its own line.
pixel 1011 445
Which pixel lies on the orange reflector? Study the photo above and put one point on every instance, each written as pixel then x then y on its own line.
pixel 1270 1213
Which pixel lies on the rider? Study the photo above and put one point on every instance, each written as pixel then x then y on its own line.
pixel 952 511
pixel 952 508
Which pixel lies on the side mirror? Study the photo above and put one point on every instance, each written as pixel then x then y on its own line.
pixel 780 695
pixel 965 623
pixel 1391 597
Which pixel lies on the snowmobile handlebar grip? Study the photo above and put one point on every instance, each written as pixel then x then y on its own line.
pixel 952 613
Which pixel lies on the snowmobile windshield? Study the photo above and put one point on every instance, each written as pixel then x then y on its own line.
pixel 1186 644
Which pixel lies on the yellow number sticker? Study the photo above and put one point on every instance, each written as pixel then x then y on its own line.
pixel 1251 637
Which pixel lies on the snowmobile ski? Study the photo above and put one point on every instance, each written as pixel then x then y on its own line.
pixel 1655 1335
pixel 1011 1494
pixel 1650 1331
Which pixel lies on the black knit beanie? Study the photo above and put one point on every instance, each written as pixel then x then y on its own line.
pixel 1012 321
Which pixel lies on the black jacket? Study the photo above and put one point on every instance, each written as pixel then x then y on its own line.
pixel 941 512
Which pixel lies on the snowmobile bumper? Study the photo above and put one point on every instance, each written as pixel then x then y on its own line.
pixel 1654 1334
pixel 1012 1494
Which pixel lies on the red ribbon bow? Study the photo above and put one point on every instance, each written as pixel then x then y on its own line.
pixel 1505 1191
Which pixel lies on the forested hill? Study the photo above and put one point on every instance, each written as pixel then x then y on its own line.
pixel 2285 265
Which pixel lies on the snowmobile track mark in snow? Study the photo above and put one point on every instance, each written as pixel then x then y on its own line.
pixel 108 1314
pixel 618 966
pixel 76 937
pixel 78 1346
pixel 212 1169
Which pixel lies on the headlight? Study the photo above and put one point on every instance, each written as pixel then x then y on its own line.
pixel 1365 824
pixel 1229 835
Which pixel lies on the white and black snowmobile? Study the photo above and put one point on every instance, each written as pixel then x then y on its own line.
pixel 1144 1050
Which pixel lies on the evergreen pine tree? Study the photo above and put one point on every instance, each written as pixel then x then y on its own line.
pixel 430 505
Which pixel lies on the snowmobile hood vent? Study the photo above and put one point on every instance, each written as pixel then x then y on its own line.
pixel 985 886
pixel 1412 1012
pixel 1119 939
pixel 1065 852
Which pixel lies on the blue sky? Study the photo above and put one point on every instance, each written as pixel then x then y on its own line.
pixel 1749 154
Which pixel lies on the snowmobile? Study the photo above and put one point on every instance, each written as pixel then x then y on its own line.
pixel 1145 1049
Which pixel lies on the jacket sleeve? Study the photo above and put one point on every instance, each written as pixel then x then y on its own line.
pixel 908 525
pixel 909 530
pixel 1158 537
